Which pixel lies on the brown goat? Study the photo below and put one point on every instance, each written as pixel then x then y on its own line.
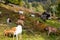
pixel 51 30
pixel 11 31
pixel 20 22
pixel 39 26
pixel 22 17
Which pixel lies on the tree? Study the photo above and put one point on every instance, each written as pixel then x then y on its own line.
pixel 58 8
pixel 11 1
pixel 39 8
pixel 21 3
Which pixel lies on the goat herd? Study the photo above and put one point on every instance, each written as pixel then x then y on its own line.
pixel 15 31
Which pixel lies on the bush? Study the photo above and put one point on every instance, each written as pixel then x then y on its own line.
pixel 58 8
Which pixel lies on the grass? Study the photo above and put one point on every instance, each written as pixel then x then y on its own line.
pixel 53 23
pixel 28 36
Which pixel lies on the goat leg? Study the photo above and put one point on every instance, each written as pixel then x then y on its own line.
pixel 49 32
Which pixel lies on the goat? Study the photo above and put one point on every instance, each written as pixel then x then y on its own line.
pixel 18 31
pixel 15 31
pixel 20 22
pixel 8 21
pixel 20 12
pixel 11 31
pixel 22 17
pixel 51 30
pixel 32 15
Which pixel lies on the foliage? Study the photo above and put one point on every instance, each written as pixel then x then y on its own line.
pixel 20 2
pixel 53 23
pixel 58 8
pixel 29 5
pixel 34 4
pixel 29 22
pixel 53 8
pixel 40 8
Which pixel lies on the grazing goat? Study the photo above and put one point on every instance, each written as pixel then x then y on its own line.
pixel 51 30
pixel 11 31
pixel 22 17
pixel 20 12
pixel 14 31
pixel 32 15
pixel 20 22
pixel 8 21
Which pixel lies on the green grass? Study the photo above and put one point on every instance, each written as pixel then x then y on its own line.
pixel 53 23
pixel 28 36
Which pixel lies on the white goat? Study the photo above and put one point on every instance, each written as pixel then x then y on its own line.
pixel 15 31
pixel 32 15
pixel 20 12
pixel 18 31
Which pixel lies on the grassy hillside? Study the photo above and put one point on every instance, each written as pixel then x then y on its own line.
pixel 27 36
pixel 29 21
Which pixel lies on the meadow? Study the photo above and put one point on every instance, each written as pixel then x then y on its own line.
pixel 27 35
pixel 36 35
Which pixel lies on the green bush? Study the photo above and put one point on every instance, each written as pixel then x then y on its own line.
pixel 58 8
